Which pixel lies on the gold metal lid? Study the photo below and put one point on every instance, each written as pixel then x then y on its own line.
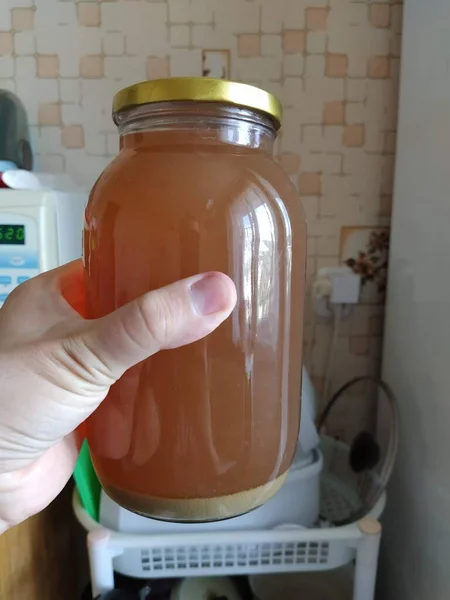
pixel 198 89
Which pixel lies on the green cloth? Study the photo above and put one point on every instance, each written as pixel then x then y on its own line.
pixel 87 483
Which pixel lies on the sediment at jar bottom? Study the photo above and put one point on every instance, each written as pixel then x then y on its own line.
pixel 197 509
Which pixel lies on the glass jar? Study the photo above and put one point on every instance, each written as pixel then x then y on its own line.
pixel 207 431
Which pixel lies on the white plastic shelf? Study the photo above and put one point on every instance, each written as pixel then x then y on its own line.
pixel 282 550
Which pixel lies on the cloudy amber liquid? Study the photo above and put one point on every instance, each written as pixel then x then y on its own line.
pixel 216 420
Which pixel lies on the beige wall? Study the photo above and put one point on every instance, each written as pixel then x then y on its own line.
pixel 334 64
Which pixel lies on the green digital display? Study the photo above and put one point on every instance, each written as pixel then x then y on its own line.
pixel 12 234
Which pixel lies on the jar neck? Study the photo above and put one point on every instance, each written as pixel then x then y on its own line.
pixel 195 123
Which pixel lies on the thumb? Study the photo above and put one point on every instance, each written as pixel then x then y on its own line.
pixel 173 316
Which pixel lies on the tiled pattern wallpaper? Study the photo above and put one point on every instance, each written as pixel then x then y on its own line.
pixel 333 63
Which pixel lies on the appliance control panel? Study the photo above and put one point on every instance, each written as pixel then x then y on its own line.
pixel 27 238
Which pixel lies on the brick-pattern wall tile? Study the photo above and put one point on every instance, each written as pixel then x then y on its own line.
pixel 49 114
pixel 290 162
pixel 47 66
pixel 309 184
pixel 316 18
pixel 294 41
pixel 89 14
pixel 24 44
pixel 378 67
pixel 380 14
pixel 6 43
pixel 249 45
pixel 22 19
pixel 72 137
pixel 180 36
pixel 334 113
pixel 353 136
pixel 91 67
pixel 157 67
pixel 336 65
pixel 271 45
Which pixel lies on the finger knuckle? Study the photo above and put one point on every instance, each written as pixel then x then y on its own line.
pixel 157 313
pixel 81 366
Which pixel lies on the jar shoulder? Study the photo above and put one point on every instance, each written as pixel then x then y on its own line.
pixel 178 181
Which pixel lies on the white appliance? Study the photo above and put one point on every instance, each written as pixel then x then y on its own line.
pixel 39 230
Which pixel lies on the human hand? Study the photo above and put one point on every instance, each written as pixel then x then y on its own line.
pixel 56 368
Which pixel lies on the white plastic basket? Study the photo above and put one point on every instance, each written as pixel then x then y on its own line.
pixel 286 549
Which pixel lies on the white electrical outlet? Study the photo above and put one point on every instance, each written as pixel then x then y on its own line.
pixel 335 286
